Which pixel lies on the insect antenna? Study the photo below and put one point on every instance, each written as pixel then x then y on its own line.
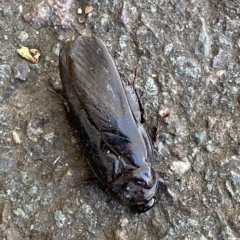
pixel 142 110
pixel 64 101
pixel 137 227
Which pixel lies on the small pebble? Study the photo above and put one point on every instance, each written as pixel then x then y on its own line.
pixel 234 90
pixel 22 71
pixel 235 177
pixel 210 148
pixel 237 80
pixel 151 86
pixel 7 12
pixel 23 36
pixel 88 9
pixel 16 137
pixel 56 49
pixel 198 164
pixel 153 8
pixel 49 136
pixel 200 137
pixel 5 71
pixel 35 128
pixel 59 218
pixel 180 167
pixel 7 162
pixel 20 9
pixel 168 48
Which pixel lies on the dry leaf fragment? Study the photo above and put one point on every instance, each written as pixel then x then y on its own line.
pixel 81 20
pixel 213 77
pixel 88 9
pixel 220 73
pixel 26 53
pixel 36 54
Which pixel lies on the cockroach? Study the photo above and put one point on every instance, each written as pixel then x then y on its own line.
pixel 107 114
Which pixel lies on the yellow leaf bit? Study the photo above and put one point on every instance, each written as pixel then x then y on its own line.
pixel 24 52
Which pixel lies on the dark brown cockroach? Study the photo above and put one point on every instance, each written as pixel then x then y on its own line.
pixel 119 150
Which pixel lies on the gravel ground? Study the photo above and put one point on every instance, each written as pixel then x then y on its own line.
pixel 187 54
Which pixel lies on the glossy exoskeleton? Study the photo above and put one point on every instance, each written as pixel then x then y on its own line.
pixel 119 150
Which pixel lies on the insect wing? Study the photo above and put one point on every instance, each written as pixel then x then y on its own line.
pixel 92 82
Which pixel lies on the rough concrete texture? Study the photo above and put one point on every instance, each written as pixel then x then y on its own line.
pixel 187 54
